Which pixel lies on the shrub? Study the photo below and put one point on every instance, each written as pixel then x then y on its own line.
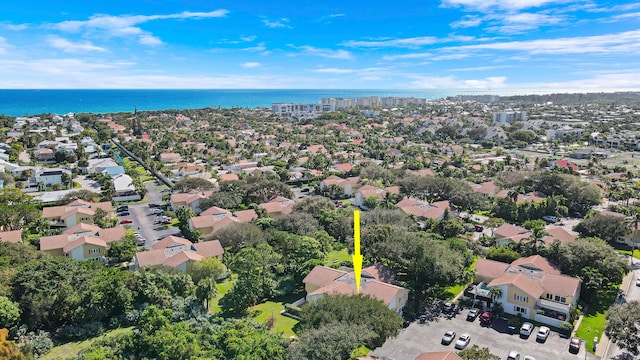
pixel 566 328
pixel 292 309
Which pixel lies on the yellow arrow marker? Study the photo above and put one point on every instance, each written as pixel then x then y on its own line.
pixel 357 258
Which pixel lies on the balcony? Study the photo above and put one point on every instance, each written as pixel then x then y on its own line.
pixel 555 306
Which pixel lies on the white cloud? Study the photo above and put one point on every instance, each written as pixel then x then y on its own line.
pixel 521 22
pixel 333 71
pixel 618 43
pixel 248 38
pixel 259 47
pixel 282 23
pixel 73 47
pixel 467 21
pixel 450 82
pixel 250 65
pixel 620 80
pixel 326 53
pixel 125 25
pixel 413 42
pixel 18 27
pixel 3 45
pixel 484 5
pixel 422 55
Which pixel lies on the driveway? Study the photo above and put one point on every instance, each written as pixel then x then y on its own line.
pixel 418 338
pixel 143 221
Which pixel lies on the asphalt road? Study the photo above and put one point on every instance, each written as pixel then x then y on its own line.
pixel 418 338
pixel 615 353
pixel 143 221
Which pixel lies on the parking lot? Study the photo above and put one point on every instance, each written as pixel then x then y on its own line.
pixel 418 338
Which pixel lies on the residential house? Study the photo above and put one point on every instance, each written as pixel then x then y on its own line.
pixel 169 157
pixel 277 206
pixel 190 200
pixel 215 218
pixel 509 232
pixel 347 184
pixel 488 188
pixel 323 281
pixel 423 210
pixel 75 212
pixel 82 242
pixel 179 253
pixel 367 191
pixel 530 287
pixel 47 177
pixel 44 154
pixel 125 190
pixel 97 166
pixel 14 236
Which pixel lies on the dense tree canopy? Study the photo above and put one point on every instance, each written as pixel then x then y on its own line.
pixel 606 227
pixel 358 309
pixel 623 326
pixel 334 341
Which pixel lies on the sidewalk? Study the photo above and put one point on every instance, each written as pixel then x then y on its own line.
pixel 604 344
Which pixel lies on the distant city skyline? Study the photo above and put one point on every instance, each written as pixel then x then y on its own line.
pixel 590 45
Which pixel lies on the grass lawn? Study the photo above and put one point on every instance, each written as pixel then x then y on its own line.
pixel 626 250
pixel 594 320
pixel 281 323
pixel 71 349
pixel 223 288
pixel 337 257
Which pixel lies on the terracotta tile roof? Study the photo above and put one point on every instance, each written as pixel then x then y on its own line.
pixel 561 284
pixel 111 234
pixel 536 262
pixel 182 257
pixel 84 240
pixel 380 273
pixel 560 234
pixel 171 241
pixel 80 228
pixel 522 282
pixel 321 276
pixel 209 249
pixel 439 355
pixel 228 177
pixel 148 258
pixel 14 236
pixel 53 242
pixel 215 210
pixel 278 205
pixel 509 230
pixel 345 285
pixel 490 268
pixel 245 216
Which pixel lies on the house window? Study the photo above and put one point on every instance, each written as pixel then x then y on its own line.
pixel 549 296
pixel 520 310
pixel 94 251
pixel 561 299
pixel 521 298
pixel 84 219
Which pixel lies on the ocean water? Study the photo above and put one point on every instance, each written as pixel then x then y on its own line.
pixel 32 102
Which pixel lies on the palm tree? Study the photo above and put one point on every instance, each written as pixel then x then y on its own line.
pixel 205 290
pixel 495 293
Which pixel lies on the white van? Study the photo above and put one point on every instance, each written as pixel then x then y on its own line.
pixel 550 219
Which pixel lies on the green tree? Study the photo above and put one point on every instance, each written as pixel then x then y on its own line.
pixel 238 236
pixel 343 339
pixel 358 309
pixel 187 184
pixel 606 227
pixel 123 250
pixel 476 353
pixel 209 268
pixel 298 223
pixel 502 254
pixel 495 293
pixel 623 324
pixel 205 290
pixel 8 349
pixel 9 312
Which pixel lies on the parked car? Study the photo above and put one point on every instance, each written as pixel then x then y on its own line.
pixel 124 213
pixel 154 205
pixel 122 208
pixel 543 334
pixel 463 341
pixel 526 329
pixel 448 307
pixel 574 345
pixel 141 242
pixel 126 221
pixel 638 281
pixel 513 355
pixel 486 318
pixel 528 358
pixel 473 314
pixel 448 337
pixel 157 211
pixel 550 219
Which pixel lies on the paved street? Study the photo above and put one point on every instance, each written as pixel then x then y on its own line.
pixel 632 294
pixel 419 338
pixel 143 221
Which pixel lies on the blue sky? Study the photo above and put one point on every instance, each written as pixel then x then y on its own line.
pixel 479 44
